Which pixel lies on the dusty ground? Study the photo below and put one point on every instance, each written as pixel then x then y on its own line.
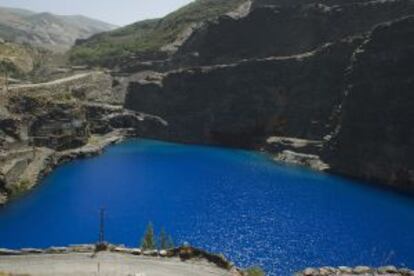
pixel 114 264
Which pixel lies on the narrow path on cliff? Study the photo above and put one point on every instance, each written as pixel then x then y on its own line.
pixel 51 83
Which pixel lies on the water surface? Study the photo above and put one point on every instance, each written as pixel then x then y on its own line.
pixel 236 202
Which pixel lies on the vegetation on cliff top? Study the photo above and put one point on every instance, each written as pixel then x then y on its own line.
pixel 26 62
pixel 147 37
pixel 149 241
pixel 16 58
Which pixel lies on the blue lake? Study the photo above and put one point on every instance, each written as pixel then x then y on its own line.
pixel 236 202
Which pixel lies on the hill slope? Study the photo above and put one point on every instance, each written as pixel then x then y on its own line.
pixel 146 39
pixel 47 30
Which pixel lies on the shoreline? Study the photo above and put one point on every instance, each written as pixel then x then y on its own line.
pixel 101 142
pixel 56 159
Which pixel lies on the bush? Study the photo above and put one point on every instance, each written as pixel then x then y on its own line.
pixel 255 271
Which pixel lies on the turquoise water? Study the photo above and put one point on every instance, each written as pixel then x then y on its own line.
pixel 236 202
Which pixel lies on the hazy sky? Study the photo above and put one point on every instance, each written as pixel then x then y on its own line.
pixel 119 12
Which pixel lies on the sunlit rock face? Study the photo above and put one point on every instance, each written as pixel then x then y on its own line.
pixel 43 125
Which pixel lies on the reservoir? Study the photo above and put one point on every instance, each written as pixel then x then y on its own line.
pixel 239 203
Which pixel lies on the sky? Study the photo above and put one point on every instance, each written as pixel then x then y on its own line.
pixel 118 12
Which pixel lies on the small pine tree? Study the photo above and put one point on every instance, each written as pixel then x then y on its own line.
pixel 166 241
pixel 170 242
pixel 163 239
pixel 148 242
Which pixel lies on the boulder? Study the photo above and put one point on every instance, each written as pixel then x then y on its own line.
pixel 32 251
pixel 82 248
pixel 4 251
pixel 387 269
pixel 151 253
pixel 56 250
pixel 311 272
pixel 362 269
pixel 345 269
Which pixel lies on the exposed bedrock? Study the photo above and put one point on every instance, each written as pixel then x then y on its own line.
pixel 242 104
pixel 376 132
pixel 43 125
pixel 349 100
pixel 281 28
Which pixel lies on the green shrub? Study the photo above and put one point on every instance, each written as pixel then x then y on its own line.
pixel 255 271
pixel 21 187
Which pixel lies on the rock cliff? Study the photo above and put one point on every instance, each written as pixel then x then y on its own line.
pixel 326 84
pixel 43 125
pixel 375 135
pixel 336 75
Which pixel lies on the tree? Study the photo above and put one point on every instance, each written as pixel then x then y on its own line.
pixel 163 239
pixel 166 241
pixel 170 242
pixel 148 242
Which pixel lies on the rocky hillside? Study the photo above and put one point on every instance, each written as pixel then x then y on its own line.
pixel 16 59
pixel 150 39
pixel 54 32
pixel 45 124
pixel 23 63
pixel 321 83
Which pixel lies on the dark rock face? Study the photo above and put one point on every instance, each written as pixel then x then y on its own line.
pixel 9 127
pixel 244 103
pixel 50 124
pixel 376 137
pixel 63 127
pixel 282 28
pixel 337 74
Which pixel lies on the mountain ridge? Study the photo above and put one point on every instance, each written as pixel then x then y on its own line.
pixel 47 30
